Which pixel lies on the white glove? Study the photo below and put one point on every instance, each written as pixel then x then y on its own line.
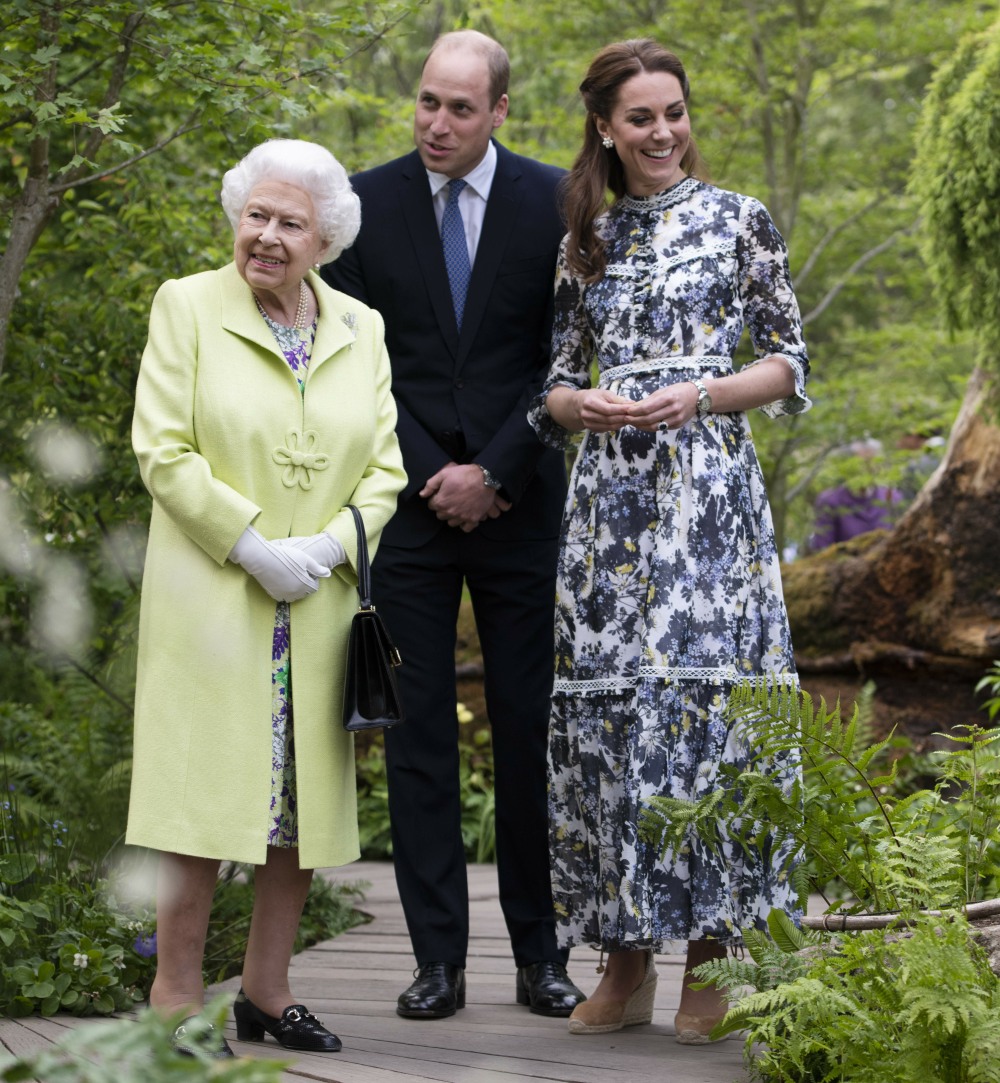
pixel 322 547
pixel 287 574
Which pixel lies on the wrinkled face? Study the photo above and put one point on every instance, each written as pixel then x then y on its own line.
pixel 651 130
pixel 453 119
pixel 276 237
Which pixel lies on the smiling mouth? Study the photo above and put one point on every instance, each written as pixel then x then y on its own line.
pixel 659 155
pixel 269 261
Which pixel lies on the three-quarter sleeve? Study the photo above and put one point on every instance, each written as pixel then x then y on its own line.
pixel 770 309
pixel 572 353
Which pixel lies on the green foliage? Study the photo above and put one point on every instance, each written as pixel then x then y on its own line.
pixel 991 683
pixel 70 948
pixel 916 1001
pixel 866 839
pixel 868 1007
pixel 476 789
pixel 960 126
pixel 127 1050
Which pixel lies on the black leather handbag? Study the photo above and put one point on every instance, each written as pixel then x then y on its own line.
pixel 371 695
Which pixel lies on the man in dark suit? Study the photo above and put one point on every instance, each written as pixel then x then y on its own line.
pixel 463 275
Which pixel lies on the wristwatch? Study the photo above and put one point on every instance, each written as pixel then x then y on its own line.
pixel 704 398
pixel 490 480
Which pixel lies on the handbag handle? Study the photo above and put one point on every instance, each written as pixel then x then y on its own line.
pixel 364 568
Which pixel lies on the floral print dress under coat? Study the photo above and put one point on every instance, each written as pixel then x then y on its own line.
pixel 668 589
pixel 283 828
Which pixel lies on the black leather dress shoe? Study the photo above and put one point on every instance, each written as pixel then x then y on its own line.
pixel 546 989
pixel 206 1038
pixel 297 1028
pixel 439 991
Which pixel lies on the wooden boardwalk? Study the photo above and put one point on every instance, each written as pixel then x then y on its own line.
pixel 352 983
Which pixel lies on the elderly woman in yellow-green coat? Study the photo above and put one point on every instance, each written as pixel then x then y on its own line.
pixel 263 409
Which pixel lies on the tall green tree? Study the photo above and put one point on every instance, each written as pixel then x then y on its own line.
pixel 116 123
pixel 91 88
pixel 927 596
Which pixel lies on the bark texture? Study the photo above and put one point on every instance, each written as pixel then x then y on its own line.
pixel 916 609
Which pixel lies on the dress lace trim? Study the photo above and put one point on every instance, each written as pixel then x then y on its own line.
pixel 661 201
pixel 658 364
pixel 669 674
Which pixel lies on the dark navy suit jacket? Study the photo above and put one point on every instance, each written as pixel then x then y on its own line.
pixel 464 397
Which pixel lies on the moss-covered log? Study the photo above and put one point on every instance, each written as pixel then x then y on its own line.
pixel 917 608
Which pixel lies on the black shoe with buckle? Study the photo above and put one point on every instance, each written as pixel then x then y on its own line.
pixel 546 989
pixel 438 992
pixel 297 1028
pixel 206 1039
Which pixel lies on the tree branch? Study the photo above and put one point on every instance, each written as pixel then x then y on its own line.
pixel 79 182
pixel 856 266
pixel 835 231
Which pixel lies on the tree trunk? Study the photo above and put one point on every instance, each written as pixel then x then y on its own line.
pixel 917 607
pixel 34 209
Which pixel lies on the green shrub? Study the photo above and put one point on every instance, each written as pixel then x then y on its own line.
pixel 476 786
pixel 70 944
pixel 128 1050
pixel 915 1001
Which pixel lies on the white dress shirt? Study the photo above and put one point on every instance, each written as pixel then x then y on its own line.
pixel 471 201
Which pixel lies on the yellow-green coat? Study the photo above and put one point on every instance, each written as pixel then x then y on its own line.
pixel 225 438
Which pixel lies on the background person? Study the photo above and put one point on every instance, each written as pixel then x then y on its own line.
pixel 263 408
pixel 668 586
pixel 463 274
pixel 857 506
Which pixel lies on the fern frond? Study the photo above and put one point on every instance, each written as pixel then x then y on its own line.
pixel 785 933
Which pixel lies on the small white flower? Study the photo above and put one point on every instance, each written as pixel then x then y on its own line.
pixel 81 960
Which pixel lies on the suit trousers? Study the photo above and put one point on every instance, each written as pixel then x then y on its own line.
pixel 418 591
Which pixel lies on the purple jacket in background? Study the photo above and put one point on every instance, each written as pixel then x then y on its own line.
pixel 842 513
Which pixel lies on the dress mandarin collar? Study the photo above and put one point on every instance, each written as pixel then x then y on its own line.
pixel 660 201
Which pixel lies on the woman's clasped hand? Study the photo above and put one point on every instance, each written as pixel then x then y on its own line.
pixel 287 573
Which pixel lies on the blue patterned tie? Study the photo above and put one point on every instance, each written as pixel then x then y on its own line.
pixel 456 249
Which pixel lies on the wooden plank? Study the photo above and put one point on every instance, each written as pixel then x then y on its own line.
pixel 352 983
pixel 19 1040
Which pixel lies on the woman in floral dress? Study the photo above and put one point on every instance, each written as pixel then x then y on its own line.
pixel 669 590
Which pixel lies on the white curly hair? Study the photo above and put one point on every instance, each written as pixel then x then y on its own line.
pixel 313 169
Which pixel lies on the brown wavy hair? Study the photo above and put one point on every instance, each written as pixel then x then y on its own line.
pixel 584 189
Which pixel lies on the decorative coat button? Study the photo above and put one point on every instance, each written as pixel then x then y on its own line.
pixel 300 458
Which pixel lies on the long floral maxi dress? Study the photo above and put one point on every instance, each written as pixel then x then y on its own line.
pixel 668 588
pixel 283 826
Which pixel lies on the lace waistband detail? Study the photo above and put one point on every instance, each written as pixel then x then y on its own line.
pixel 671 674
pixel 659 364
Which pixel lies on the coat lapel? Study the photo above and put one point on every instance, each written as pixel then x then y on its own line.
pixel 240 316
pixel 501 212
pixel 239 311
pixel 333 332
pixel 418 212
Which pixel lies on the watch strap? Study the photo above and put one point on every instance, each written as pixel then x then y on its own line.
pixel 490 480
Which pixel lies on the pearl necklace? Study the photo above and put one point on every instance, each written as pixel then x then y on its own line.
pixel 300 312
